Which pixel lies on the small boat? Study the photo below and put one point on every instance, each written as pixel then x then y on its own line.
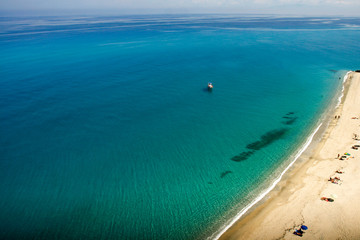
pixel 210 86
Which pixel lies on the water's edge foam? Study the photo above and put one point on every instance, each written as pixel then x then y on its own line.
pixel 265 192
pixel 343 89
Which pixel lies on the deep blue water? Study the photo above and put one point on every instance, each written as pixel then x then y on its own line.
pixel 108 132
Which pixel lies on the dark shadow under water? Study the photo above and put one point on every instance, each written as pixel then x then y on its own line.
pixel 265 140
pixel 223 174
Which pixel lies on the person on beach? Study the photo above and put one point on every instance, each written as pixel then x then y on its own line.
pixel 338 155
pixel 340 172
pixel 299 232
pixel 332 180
pixel 327 199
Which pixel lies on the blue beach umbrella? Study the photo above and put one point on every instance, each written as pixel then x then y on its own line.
pixel 303 227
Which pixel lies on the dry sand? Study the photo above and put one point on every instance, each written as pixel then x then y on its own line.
pixel 297 200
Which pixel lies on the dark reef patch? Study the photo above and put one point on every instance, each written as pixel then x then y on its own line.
pixel 267 139
pixel 290 121
pixel 242 156
pixel 223 174
pixel 290 118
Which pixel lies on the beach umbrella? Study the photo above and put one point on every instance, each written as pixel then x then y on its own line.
pixel 303 227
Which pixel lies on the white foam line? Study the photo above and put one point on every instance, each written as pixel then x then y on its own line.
pixel 263 194
pixel 343 88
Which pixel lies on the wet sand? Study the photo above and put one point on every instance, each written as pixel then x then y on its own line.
pixel 296 199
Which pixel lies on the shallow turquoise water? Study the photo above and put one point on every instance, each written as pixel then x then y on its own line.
pixel 108 131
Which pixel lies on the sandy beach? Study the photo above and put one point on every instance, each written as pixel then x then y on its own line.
pixel 297 199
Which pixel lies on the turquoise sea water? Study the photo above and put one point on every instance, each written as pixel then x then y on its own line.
pixel 108 130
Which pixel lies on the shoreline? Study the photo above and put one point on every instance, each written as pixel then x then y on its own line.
pixel 281 190
pixel 261 197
